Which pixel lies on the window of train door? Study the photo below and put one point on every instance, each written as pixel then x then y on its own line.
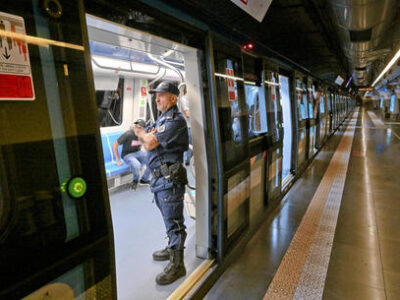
pixel 233 128
pixel 258 127
pixel 55 236
pixel 274 111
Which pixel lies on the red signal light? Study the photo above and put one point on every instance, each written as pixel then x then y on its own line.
pixel 248 46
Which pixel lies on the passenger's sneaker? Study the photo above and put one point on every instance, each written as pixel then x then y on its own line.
pixel 134 185
pixel 142 181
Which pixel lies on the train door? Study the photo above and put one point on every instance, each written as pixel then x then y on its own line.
pixel 312 118
pixel 286 103
pixel 55 223
pixel 336 110
pixel 233 139
pixel 258 127
pixel 127 63
pixel 275 132
pixel 323 116
pixel 302 108
pixel 330 112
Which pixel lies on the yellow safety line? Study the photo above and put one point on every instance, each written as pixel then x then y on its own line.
pixel 189 282
pixel 287 277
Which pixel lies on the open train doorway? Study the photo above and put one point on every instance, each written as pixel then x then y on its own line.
pixel 126 64
pixel 287 129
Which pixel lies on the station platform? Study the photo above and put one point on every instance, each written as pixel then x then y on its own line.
pixel 336 234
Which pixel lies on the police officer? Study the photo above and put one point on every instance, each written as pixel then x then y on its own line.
pixel 166 141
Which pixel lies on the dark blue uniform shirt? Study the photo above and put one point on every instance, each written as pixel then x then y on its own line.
pixel 172 135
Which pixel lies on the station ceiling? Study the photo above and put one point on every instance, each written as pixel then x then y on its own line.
pixel 305 31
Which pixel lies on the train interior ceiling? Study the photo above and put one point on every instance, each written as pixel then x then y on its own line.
pixel 127 64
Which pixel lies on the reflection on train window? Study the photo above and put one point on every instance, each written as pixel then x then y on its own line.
pixel 109 102
pixel 255 99
pixel 392 102
pixel 322 104
pixel 255 95
pixel 301 100
pixel 274 108
pixel 231 105
pixel 311 91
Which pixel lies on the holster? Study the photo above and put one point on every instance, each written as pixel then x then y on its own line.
pixel 178 174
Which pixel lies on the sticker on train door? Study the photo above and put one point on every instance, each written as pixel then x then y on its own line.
pixel 231 85
pixel 15 68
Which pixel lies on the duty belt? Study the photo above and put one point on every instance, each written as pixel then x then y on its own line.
pixel 157 172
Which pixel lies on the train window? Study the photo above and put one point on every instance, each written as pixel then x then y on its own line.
pixel 301 100
pixel 311 92
pixel 255 96
pixel 392 102
pixel 109 104
pixel 274 108
pixel 231 104
pixel 322 104
pixel 330 95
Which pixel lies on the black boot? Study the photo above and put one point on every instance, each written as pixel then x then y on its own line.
pixel 174 270
pixel 161 255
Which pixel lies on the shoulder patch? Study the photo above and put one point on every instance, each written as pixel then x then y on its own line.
pixel 161 128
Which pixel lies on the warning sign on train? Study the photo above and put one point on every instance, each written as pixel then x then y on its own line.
pixel 15 68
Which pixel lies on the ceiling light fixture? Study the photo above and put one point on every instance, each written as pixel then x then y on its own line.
pixel 389 65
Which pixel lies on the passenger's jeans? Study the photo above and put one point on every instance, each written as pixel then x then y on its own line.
pixel 136 160
pixel 187 155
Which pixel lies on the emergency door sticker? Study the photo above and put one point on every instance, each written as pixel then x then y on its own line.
pixel 231 85
pixel 143 99
pixel 15 68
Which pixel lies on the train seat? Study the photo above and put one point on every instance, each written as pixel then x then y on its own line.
pixel 110 163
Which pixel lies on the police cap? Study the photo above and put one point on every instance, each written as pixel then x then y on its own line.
pixel 165 87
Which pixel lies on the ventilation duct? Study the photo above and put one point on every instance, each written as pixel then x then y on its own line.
pixel 362 26
pixel 360 36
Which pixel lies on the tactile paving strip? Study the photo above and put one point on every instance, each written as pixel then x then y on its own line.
pixel 302 272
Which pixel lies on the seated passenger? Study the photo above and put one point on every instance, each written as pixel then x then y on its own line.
pixel 132 155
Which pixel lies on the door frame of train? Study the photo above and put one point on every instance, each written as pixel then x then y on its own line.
pixel 193 72
pixel 219 221
pixel 273 146
pixel 292 94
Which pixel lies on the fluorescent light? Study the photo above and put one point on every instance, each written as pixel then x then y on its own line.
pixel 145 68
pixel 112 63
pixel 348 82
pixel 228 76
pixel 124 65
pixel 250 82
pixel 389 65
pixel 271 83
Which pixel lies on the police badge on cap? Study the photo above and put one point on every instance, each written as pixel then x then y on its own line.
pixel 166 87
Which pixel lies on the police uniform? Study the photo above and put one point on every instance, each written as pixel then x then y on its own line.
pixel 172 137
